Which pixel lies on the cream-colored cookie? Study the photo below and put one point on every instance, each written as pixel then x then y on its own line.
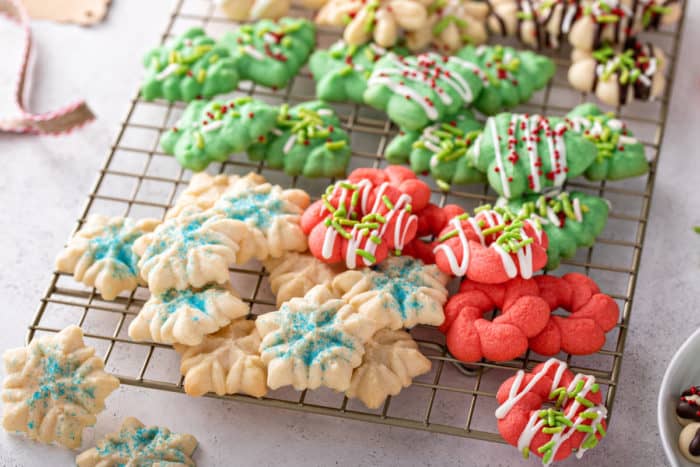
pixel 252 10
pixel 390 363
pixel 689 442
pixel 294 274
pixel 452 25
pixel 191 250
pixel 378 20
pixel 400 292
pixel 227 362
pixel 186 316
pixel 266 218
pixel 138 445
pixel 617 77
pixel 313 341
pixel 99 254
pixel 54 388
pixel 204 190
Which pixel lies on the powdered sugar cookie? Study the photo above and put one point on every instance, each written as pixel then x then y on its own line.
pixel 100 254
pixel 635 71
pixel 227 362
pixel 54 388
pixel 401 292
pixel 191 250
pixel 313 341
pixel 137 444
pixel 204 190
pixel 186 316
pixel 576 423
pixel 294 274
pixel 265 217
pixel 244 10
pixel 390 363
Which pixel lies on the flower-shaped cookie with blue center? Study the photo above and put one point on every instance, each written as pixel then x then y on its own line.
pixel 191 250
pixel 54 388
pixel 265 216
pixel 400 292
pixel 136 444
pixel 100 254
pixel 313 341
pixel 186 316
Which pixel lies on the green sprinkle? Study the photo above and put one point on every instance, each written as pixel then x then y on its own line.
pixel 601 429
pixel 552 430
pixel 595 388
pixel 443 185
pixel 376 240
pixel 441 25
pixel 387 202
pixel 346 70
pixel 366 255
pixel 493 230
pixel 584 402
pixel 696 229
pixel 545 447
pixel 565 421
pixel 327 204
pixel 199 140
pixel 341 231
pixel 409 208
pixel 336 145
pixel 584 429
pixel 526 452
pixel 607 18
pixel 201 75
pixel 588 415
pixel 448 235
pixel 547 457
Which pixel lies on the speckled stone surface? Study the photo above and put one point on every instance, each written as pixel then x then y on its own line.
pixel 44 182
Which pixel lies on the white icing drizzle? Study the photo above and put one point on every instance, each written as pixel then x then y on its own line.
pixel 404 220
pixel 499 157
pixel 253 52
pixel 212 125
pixel 535 423
pixel 577 210
pixel 324 112
pixel 167 71
pixel 289 144
pixel 402 89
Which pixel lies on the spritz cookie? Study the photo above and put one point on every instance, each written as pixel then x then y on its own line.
pixel 186 316
pixel 294 274
pixel 313 341
pixel 191 66
pixel 138 445
pixel 390 363
pixel 191 250
pixel 226 362
pixel 100 254
pixel 265 217
pixel 400 292
pixel 451 25
pixel 253 10
pixel 54 388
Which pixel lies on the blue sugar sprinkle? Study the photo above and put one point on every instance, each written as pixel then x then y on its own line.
pixel 258 208
pixel 183 238
pixel 401 282
pixel 150 444
pixel 59 381
pixel 115 244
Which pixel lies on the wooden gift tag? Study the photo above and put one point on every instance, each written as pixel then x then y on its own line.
pixel 84 12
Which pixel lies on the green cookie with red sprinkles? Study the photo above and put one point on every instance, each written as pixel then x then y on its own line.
pixel 271 53
pixel 211 131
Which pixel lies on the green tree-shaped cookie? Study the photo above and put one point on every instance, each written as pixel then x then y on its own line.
pixel 210 131
pixel 342 71
pixel 189 67
pixel 417 90
pixel 440 149
pixel 307 141
pixel 512 75
pixel 269 52
pixel 523 153
pixel 571 220
pixel 620 154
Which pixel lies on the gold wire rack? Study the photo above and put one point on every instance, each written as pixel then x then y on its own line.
pixel 139 180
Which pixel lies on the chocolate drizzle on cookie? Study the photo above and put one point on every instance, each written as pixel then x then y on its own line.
pixel 688 408
pixel 694 446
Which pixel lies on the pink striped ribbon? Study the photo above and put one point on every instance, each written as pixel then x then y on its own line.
pixel 62 120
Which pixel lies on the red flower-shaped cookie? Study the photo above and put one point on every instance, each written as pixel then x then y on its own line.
pixel 364 218
pixel 575 423
pixel 526 319
pixel 492 246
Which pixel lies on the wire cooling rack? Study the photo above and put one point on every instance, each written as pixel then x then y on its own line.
pixel 139 180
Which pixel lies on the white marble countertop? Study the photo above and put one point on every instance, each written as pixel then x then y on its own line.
pixel 44 182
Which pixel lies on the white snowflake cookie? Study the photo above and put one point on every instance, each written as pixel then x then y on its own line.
pixel 400 292
pixel 186 316
pixel 266 217
pixel 204 190
pixel 138 445
pixel 54 388
pixel 294 274
pixel 313 341
pixel 99 255
pixel 391 361
pixel 227 362
pixel 244 10
pixel 191 250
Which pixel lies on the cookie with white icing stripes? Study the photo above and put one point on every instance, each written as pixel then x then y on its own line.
pixel 190 66
pixel 271 53
pixel 210 131
pixel 417 90
pixel 307 140
pixel 523 153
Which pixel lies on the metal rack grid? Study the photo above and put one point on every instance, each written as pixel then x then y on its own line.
pixel 138 180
